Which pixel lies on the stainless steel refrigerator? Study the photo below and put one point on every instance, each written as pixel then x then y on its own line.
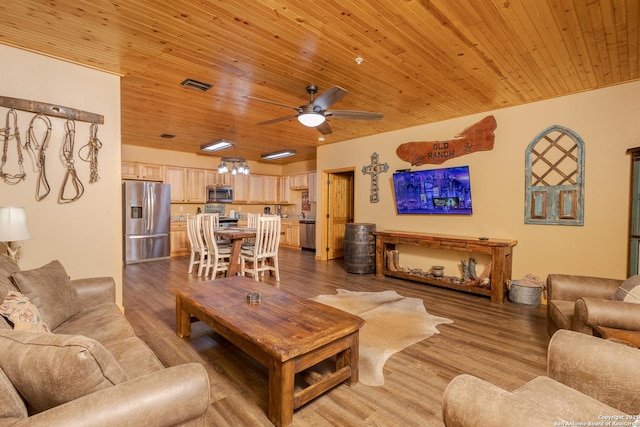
pixel 146 221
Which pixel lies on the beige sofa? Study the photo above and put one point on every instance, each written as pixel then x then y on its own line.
pixel 91 370
pixel 588 379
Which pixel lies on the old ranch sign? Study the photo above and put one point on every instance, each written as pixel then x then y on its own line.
pixel 477 137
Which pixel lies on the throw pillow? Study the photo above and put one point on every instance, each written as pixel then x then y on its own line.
pixel 629 290
pixel 50 288
pixel 51 369
pixel 8 266
pixel 22 312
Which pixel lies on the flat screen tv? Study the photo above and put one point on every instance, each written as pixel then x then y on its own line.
pixel 436 191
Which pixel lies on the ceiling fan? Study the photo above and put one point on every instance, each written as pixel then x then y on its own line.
pixel 314 113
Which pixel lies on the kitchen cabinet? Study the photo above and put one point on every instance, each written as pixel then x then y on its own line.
pixel 312 187
pixel 299 181
pixel 255 189
pixel 284 190
pixel 213 178
pixel 179 239
pixel 195 186
pixel 175 177
pixel 240 184
pixel 141 171
pixel 270 189
pixel 290 236
pixel 187 185
pixel 263 189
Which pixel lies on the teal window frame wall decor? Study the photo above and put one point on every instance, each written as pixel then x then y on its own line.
pixel 554 178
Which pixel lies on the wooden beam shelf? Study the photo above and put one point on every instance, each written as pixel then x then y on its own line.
pixel 51 110
pixel 499 250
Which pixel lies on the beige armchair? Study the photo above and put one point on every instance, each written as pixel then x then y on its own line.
pixel 581 303
pixel 588 378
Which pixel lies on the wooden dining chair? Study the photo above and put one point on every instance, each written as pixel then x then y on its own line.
pixel 252 222
pixel 215 218
pixel 198 247
pixel 264 255
pixel 217 255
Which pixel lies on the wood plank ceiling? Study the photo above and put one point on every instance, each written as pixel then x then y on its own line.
pixel 423 61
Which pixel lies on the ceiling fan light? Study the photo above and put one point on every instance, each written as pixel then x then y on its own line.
pixel 311 119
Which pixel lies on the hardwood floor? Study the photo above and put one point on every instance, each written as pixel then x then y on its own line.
pixel 504 344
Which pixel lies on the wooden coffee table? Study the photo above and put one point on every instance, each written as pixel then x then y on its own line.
pixel 285 333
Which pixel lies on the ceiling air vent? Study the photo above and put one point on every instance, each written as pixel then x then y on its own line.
pixel 196 85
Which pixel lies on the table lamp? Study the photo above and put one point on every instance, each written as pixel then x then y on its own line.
pixel 13 229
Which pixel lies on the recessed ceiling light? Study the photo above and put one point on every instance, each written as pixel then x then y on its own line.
pixel 278 154
pixel 220 144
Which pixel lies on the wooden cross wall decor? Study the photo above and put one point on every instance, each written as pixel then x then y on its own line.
pixel 374 169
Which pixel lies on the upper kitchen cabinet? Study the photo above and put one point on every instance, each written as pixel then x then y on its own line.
pixel 196 186
pixel 299 181
pixel 312 187
pixel 263 189
pixel 175 177
pixel 216 179
pixel 240 184
pixel 284 190
pixel 142 171
pixel 187 185
pixel 270 189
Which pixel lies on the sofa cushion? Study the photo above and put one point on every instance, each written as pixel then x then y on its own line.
pixel 629 290
pixel 22 313
pixel 12 407
pixel 7 268
pixel 104 323
pixel 51 369
pixel 134 357
pixel 50 288
pixel 564 401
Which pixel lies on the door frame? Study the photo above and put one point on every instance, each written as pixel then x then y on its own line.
pixel 324 223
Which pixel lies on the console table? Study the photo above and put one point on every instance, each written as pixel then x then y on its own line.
pixel 500 251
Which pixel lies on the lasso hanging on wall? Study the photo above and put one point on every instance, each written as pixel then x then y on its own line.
pixel 36 147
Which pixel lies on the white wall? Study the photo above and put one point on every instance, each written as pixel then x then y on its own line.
pixel 607 121
pixel 84 235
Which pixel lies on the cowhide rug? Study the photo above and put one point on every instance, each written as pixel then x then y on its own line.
pixel 393 322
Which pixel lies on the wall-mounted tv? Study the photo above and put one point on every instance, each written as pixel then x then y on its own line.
pixel 434 191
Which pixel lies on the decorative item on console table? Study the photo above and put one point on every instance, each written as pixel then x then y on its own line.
pixel 499 268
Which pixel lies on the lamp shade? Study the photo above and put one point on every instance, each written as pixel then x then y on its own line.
pixel 311 119
pixel 13 225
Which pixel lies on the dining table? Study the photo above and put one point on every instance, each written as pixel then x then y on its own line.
pixel 236 235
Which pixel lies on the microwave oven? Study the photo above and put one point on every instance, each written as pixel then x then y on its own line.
pixel 219 194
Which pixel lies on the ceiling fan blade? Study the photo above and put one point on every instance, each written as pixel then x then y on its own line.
pixel 324 128
pixel 279 104
pixel 330 97
pixel 354 115
pixel 279 119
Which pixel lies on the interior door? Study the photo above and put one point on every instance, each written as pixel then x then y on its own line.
pixel 339 211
